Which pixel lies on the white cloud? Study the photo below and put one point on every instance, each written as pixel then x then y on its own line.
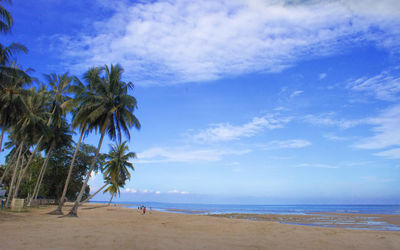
pixel 185 41
pixel 385 86
pixel 329 119
pixel 177 192
pixel 391 153
pixel 386 129
pixel 333 137
pixel 227 132
pixel 173 191
pixel 130 190
pixel 316 165
pixel 322 76
pixel 158 154
pixel 146 191
pixel 296 93
pixel 296 143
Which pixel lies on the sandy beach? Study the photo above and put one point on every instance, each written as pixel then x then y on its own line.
pixel 102 227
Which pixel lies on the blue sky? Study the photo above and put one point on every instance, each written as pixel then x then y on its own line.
pixel 263 102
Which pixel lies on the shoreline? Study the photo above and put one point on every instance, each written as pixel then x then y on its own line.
pixel 360 221
pixel 116 227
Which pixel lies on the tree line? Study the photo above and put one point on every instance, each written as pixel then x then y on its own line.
pixel 42 119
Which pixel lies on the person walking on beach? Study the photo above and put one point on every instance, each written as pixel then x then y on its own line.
pixel 144 210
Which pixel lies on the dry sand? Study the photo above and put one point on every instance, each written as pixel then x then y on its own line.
pixel 101 227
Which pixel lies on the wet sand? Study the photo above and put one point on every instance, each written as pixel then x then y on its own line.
pixel 102 227
pixel 339 220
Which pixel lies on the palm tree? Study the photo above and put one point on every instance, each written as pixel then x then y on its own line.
pixel 12 93
pixel 118 165
pixel 6 20
pixel 10 161
pixel 59 137
pixel 14 175
pixel 81 90
pixel 60 102
pixel 116 169
pixel 8 53
pixel 60 86
pixel 109 110
pixel 33 123
pixel 113 188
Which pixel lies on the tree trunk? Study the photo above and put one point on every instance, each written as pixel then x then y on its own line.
pixel 90 197
pixel 58 211
pixel 9 166
pixel 31 157
pixel 6 172
pixel 10 189
pixel 74 211
pixel 40 176
pixel 1 138
pixel 23 171
pixel 112 196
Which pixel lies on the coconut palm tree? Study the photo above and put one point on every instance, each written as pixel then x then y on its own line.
pixel 33 123
pixel 118 165
pixel 114 188
pixel 6 20
pixel 8 53
pixel 13 80
pixel 81 90
pixel 116 169
pixel 60 102
pixel 109 110
pixel 10 159
pixel 59 136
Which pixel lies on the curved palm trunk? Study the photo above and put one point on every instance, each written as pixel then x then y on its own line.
pixel 5 172
pixel 112 196
pixel 90 197
pixel 1 138
pixel 9 166
pixel 58 211
pixel 23 171
pixel 74 211
pixel 10 189
pixel 40 176
pixel 31 157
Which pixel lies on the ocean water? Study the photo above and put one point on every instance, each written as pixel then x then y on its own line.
pixel 359 216
pixel 266 209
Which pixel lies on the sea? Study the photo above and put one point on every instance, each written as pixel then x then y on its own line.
pixel 363 220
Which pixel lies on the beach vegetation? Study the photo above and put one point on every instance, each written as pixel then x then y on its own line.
pixel 39 121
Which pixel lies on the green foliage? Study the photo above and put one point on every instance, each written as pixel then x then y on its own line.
pixel 35 119
pixel 54 178
pixel 117 165
pixel 6 20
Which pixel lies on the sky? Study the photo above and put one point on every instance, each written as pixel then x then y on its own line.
pixel 240 101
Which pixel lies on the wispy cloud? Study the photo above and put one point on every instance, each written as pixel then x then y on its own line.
pixel 385 86
pixel 296 93
pixel 157 192
pixel 286 144
pixel 227 132
pixel 386 129
pixel 391 153
pixel 316 165
pixel 159 154
pixel 329 119
pixel 186 41
pixel 175 191
pixel 333 137
pixel 322 76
